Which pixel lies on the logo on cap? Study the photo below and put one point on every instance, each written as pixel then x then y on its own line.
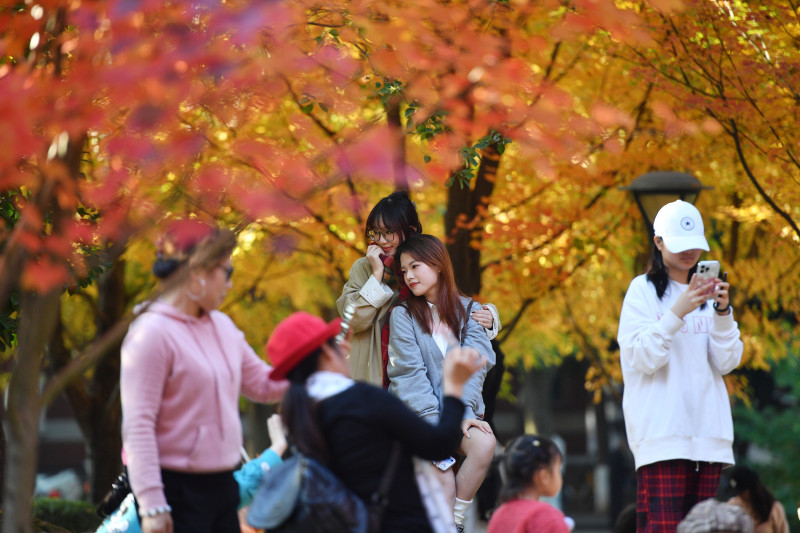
pixel 687 223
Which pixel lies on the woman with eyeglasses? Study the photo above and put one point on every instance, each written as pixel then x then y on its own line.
pixel 376 286
pixel 184 366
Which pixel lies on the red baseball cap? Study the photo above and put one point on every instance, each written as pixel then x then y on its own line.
pixel 295 337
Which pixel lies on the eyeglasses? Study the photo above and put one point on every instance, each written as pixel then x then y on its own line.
pixel 374 235
pixel 228 269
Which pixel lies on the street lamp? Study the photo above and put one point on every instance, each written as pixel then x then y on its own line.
pixel 655 189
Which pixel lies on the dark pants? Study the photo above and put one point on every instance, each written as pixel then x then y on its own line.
pixel 202 503
pixel 667 491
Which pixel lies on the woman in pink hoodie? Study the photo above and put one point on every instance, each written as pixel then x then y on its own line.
pixel 184 366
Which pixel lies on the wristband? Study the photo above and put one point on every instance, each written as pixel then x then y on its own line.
pixel 161 509
pixel 721 311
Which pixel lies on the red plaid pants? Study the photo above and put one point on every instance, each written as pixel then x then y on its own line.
pixel 667 490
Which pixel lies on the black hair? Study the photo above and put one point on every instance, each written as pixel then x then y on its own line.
pixel 745 483
pixel 178 248
pixel 163 266
pixel 523 457
pixel 626 521
pixel 658 274
pixel 398 213
pixel 299 411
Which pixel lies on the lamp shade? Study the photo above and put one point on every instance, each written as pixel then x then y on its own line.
pixel 655 189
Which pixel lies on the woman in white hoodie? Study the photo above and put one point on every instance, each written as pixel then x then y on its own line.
pixel 677 339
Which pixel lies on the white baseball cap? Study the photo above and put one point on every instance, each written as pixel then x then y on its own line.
pixel 680 225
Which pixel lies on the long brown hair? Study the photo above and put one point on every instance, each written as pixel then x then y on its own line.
pixel 430 250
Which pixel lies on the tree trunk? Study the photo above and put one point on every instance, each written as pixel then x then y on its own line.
pixel 104 438
pixel 103 445
pixel 537 400
pixel 391 106
pixel 463 206
pixel 95 402
pixel 24 407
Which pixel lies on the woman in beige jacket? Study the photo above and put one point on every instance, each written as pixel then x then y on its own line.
pixel 375 287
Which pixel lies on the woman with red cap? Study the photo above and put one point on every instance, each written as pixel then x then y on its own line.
pixel 351 426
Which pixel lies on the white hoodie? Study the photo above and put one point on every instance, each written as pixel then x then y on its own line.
pixel 675 402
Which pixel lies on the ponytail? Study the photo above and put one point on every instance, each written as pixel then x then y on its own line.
pixel 523 457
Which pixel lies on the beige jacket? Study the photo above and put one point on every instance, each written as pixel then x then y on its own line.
pixel 372 300
pixel 777 522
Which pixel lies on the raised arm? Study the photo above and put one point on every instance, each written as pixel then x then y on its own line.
pixel 421 438
pixel 256 384
pixel 487 316
pixel 366 292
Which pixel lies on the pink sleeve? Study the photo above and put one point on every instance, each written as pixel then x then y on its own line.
pixel 255 373
pixel 547 520
pixel 146 361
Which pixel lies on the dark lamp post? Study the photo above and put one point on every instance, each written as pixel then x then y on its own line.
pixel 655 189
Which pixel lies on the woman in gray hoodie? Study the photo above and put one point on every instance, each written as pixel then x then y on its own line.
pixel 433 319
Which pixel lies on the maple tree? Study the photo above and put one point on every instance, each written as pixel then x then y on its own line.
pixel 288 120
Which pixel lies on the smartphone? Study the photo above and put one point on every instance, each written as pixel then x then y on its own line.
pixel 707 270
pixel 444 464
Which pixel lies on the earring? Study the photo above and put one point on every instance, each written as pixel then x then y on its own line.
pixel 196 297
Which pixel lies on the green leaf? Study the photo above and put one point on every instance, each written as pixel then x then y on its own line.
pixel 427 158
pixel 307 108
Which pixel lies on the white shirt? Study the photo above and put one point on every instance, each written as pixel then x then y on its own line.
pixel 441 333
pixel 675 402
pixel 323 384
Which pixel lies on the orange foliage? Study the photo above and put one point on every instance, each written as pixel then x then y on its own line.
pixel 277 112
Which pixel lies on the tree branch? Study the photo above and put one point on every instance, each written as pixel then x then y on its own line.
pixel 734 131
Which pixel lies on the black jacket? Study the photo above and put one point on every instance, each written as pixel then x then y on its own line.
pixel 361 423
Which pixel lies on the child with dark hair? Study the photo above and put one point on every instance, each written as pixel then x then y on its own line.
pixel 531 469
pixel 675 349
pixel 375 286
pixel 747 491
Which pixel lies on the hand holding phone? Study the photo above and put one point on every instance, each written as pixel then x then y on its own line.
pixel 374 253
pixel 707 270
pixel 444 464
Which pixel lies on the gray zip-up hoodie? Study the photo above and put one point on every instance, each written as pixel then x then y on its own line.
pixel 415 365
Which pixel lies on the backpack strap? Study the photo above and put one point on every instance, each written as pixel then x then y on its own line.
pixel 466 319
pixel 380 498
